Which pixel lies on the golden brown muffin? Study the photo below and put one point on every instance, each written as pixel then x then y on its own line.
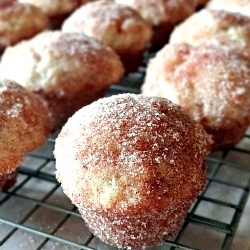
pixel 24 126
pixel 55 7
pixel 118 26
pixel 16 24
pixel 57 10
pixel 68 70
pixel 210 81
pixel 132 165
pixel 240 6
pixel 162 15
pixel 210 24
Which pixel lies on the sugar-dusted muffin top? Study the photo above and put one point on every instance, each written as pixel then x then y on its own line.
pixel 54 7
pixel 208 24
pixel 111 147
pixel 239 6
pixel 52 59
pixel 117 25
pixel 210 80
pixel 157 12
pixel 63 68
pixel 114 148
pixel 15 24
pixel 24 124
pixel 133 166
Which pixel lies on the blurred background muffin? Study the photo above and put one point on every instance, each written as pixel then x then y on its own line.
pixel 16 24
pixel 56 10
pixel 211 81
pixel 67 70
pixel 118 26
pixel 162 15
pixel 239 6
pixel 209 24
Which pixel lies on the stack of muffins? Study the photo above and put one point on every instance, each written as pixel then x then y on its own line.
pixel 132 164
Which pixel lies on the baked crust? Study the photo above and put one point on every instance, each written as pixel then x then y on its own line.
pixel 157 12
pixel 55 7
pixel 16 24
pixel 68 70
pixel 239 6
pixel 132 165
pixel 162 15
pixel 211 81
pixel 208 24
pixel 119 26
pixel 56 10
pixel 24 126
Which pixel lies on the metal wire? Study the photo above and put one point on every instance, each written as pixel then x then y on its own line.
pixel 61 227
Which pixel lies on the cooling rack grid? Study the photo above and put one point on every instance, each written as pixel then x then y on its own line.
pixel 35 214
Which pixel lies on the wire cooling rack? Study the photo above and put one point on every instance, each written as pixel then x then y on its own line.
pixel 35 214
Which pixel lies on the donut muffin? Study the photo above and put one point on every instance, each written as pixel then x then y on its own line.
pixel 210 24
pixel 24 126
pixel 56 10
pixel 239 6
pixel 15 24
pixel 118 26
pixel 133 166
pixel 211 81
pixel 162 15
pixel 67 70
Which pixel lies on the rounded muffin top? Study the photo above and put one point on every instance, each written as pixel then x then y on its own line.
pixel 61 62
pixel 127 151
pixel 55 7
pixel 171 11
pixel 209 24
pixel 117 25
pixel 210 80
pixel 24 124
pixel 15 24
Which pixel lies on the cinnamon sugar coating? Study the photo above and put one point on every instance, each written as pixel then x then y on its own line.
pixel 56 10
pixel 24 126
pixel 118 26
pixel 132 165
pixel 239 6
pixel 210 24
pixel 55 7
pixel 211 81
pixel 162 15
pixel 16 24
pixel 68 70
pixel 156 12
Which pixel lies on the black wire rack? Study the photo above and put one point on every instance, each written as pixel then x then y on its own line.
pixel 35 214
